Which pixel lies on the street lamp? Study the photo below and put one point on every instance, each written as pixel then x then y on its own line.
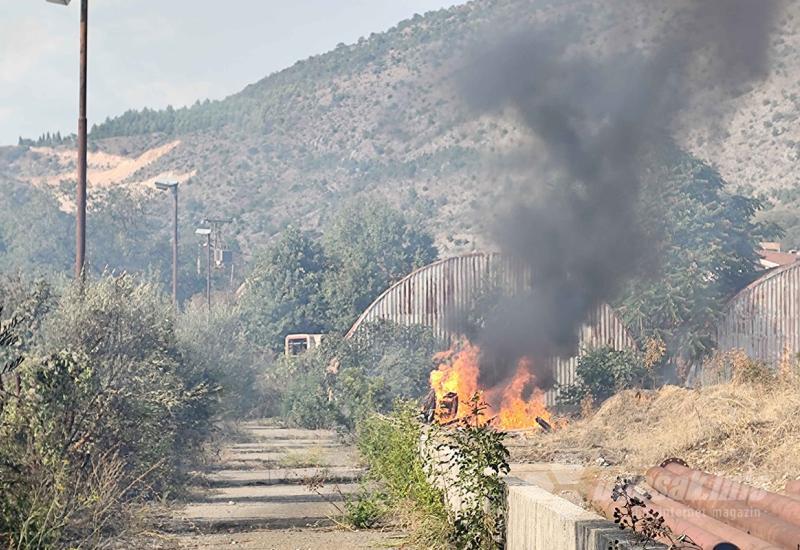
pixel 173 187
pixel 205 231
pixel 80 203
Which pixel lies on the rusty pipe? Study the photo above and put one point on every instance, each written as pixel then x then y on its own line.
pixel 757 522
pixel 669 508
pixel 600 498
pixel 792 488
pixel 782 506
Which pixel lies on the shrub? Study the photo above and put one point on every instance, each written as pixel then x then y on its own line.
pixel 389 444
pixel 364 510
pixel 58 483
pixel 601 373
pixel 97 408
pixel 343 381
pixel 418 466
pixel 306 401
pixel 481 460
pixel 148 400
pixel 217 346
pixel 474 451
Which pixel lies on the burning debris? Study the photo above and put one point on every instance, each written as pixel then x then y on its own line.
pixel 515 404
pixel 447 408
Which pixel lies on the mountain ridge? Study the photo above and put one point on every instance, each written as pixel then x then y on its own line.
pixel 384 117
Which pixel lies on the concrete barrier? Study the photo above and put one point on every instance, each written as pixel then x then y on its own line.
pixel 536 518
pixel 540 520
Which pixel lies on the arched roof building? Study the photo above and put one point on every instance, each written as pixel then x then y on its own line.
pixel 431 294
pixel 763 319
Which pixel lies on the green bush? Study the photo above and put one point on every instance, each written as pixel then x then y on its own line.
pixel 217 347
pixel 481 459
pixel 57 482
pixel 364 510
pixel 413 465
pixel 601 373
pixel 98 408
pixel 389 444
pixel 306 401
pixel 343 381
pixel 149 401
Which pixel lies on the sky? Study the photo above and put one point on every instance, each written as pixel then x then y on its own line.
pixel 154 53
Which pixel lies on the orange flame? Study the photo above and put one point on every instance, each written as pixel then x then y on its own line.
pixel 459 372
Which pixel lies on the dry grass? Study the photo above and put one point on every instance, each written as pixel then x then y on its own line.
pixel 311 458
pixel 744 429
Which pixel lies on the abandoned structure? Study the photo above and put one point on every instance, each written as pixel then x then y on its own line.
pixel 763 319
pixel 433 295
pixel 298 344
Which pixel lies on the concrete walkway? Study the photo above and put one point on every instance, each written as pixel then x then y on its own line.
pixel 277 488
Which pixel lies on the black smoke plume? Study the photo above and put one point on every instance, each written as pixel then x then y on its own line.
pixel 595 117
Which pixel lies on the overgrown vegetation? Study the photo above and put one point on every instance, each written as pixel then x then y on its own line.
pixel 102 405
pixel 603 372
pixel 444 484
pixel 707 240
pixel 345 380
pixel 390 446
pixel 104 392
pixel 217 345
pixel 307 285
pixel 475 450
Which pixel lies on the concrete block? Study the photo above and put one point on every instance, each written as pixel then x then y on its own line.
pixel 539 520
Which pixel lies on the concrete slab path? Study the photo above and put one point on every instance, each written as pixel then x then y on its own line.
pixel 264 492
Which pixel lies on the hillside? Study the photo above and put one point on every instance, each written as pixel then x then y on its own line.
pixel 385 116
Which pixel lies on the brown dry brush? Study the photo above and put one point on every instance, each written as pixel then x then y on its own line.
pixel 747 427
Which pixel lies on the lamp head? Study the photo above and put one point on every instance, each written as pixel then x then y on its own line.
pixel 166 185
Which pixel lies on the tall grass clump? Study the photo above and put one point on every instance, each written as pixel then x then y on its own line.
pixel 390 446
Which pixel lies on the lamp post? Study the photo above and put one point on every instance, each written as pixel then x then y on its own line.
pixel 173 187
pixel 80 202
pixel 205 231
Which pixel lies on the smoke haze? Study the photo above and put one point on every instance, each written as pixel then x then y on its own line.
pixel 595 117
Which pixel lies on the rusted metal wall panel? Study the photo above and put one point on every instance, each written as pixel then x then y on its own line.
pixel 434 294
pixel 763 320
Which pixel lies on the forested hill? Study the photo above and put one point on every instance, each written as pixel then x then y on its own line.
pixel 384 116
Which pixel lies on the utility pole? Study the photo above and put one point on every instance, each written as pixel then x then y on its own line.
pixel 222 256
pixel 205 231
pixel 80 202
pixel 80 229
pixel 173 188
pixel 175 246
pixel 208 274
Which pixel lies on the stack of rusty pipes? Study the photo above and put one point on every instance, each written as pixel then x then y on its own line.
pixel 712 510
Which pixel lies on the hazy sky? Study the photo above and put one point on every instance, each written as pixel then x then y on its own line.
pixel 151 53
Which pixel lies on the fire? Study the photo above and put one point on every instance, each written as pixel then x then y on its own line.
pixel 516 412
pixel 513 405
